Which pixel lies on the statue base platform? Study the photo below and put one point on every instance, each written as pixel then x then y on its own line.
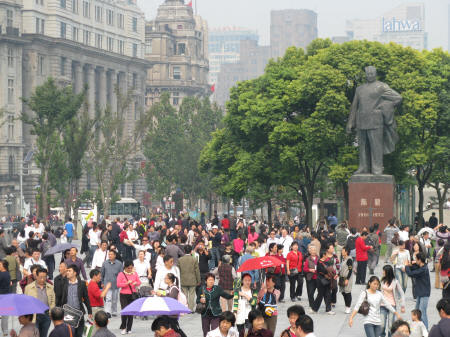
pixel 371 200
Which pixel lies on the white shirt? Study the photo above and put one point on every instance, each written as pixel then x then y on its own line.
pixel 100 256
pixel 216 333
pixel 161 274
pixel 94 237
pixel 132 235
pixel 29 262
pixel 270 240
pixel 141 268
pixel 244 307
pixel 375 301
pixel 286 242
pixel 402 257
pixel 138 248
pixel 403 235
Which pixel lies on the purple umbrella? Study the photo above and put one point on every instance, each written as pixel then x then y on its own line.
pixel 18 305
pixel 147 306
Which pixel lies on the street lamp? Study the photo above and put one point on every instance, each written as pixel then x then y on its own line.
pixel 9 198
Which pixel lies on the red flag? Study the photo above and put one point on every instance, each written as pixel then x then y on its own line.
pixel 213 87
pixel 190 3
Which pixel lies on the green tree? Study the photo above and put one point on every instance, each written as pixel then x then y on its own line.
pixel 51 109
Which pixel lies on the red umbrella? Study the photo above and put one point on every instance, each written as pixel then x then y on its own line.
pixel 259 263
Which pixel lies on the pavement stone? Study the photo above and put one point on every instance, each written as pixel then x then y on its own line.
pixel 324 325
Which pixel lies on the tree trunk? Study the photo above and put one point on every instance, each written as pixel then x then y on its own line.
pixel 420 189
pixel 210 206
pixel 346 200
pixel 269 211
pixel 243 208
pixel 44 195
pixel 75 205
pixel 228 207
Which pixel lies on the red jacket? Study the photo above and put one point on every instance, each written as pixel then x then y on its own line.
pixel 361 249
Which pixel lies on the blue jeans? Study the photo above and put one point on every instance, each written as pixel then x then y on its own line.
pixel 422 304
pixel 401 276
pixel 387 318
pixel 372 330
pixel 92 250
pixel 43 324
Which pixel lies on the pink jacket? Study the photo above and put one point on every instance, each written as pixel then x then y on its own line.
pixel 122 282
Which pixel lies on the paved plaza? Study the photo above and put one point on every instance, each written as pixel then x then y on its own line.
pixel 324 325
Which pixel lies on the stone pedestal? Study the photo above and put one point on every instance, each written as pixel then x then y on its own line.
pixel 371 200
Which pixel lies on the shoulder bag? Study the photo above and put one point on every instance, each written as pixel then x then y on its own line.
pixel 365 307
pixel 201 307
pixel 134 295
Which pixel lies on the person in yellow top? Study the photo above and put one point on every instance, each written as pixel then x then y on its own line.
pixel 44 292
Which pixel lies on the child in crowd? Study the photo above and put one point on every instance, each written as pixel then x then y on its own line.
pixel 418 329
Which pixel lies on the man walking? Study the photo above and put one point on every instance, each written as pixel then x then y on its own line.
pixel 43 291
pixel 69 229
pixel 189 275
pixel 74 260
pixel 59 283
pixel 110 269
pixel 75 295
pixel 361 258
pixel 61 329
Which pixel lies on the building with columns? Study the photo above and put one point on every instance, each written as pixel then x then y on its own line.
pixel 176 43
pixel 98 43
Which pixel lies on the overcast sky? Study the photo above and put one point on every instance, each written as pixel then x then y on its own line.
pixel 332 14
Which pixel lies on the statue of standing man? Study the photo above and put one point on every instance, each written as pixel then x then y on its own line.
pixel 372 115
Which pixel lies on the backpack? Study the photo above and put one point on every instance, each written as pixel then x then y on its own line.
pixel 181 297
pixel 351 242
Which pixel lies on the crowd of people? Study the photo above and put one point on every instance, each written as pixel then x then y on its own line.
pixel 198 262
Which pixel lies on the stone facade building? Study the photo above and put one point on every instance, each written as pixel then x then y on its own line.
pixel 291 27
pixel 176 43
pixel 98 43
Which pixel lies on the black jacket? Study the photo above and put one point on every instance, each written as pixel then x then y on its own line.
pixel 422 280
pixel 58 285
pixel 83 296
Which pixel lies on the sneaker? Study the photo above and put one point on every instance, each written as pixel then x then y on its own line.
pixel 311 311
pixel 331 312
pixel 129 332
pixel 299 298
pixel 108 314
pixel 123 332
pixel 293 300
pixel 348 310
pixel 281 301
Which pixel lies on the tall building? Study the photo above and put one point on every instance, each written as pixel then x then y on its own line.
pixel 404 25
pixel 176 42
pixel 77 42
pixel 291 27
pixel 252 61
pixel 224 47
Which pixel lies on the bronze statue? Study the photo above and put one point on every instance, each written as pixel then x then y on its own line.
pixel 372 115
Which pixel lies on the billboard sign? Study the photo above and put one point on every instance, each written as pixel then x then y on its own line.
pixel 397 25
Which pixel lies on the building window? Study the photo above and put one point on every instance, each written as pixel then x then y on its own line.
pixel 176 73
pixel 11 127
pixel 176 98
pixel 110 44
pixel 63 66
pixel 40 2
pixel 99 41
pixel 110 17
pixel 75 6
pixel 86 9
pixel 40 24
pixel 121 47
pixel 120 20
pixel 181 49
pixel 40 67
pixel 148 46
pixel 135 50
pixel 87 37
pixel 134 81
pixel 9 18
pixel 63 30
pixel 75 34
pixel 98 14
pixel 10 57
pixel 179 26
pixel 63 3
pixel 11 165
pixel 134 24
pixel 10 91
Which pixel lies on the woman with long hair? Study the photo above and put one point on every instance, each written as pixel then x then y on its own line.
pixel 393 292
pixel 244 300
pixel 375 298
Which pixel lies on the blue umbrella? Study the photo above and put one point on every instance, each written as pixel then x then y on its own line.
pixel 60 247
pixel 18 305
